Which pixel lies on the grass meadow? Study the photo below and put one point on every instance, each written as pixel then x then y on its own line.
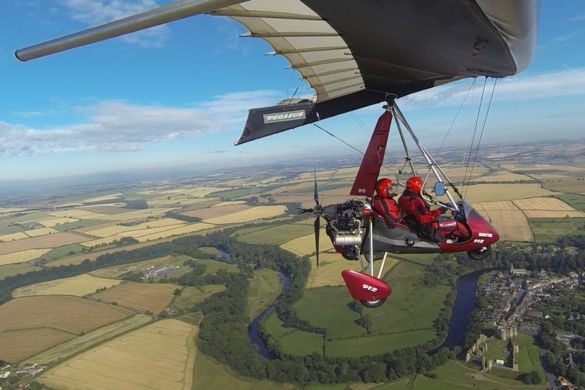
pixel 549 229
pixel 265 286
pixel 292 340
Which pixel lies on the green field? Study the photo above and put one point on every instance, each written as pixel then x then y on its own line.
pixel 405 320
pixel 265 286
pixel 327 307
pixel 239 193
pixel 209 374
pixel 549 229
pixel 63 251
pixel 576 201
pixel 529 355
pixel 373 345
pixel 15 269
pixel 10 229
pixel 497 349
pixel 192 295
pixel 276 235
pixel 293 341
pixel 65 227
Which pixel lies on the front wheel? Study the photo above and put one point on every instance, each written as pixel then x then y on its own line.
pixel 480 254
pixel 373 304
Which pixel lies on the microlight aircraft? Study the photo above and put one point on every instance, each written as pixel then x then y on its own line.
pixel 354 54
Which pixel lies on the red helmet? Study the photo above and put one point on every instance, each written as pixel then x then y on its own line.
pixel 384 187
pixel 414 184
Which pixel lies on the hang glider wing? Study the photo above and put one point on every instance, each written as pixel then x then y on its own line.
pixel 354 53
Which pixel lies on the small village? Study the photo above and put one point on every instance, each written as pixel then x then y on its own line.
pixel 513 302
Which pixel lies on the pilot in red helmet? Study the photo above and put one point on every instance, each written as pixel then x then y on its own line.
pixel 384 202
pixel 423 220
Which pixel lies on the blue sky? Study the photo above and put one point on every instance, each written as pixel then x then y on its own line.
pixel 178 94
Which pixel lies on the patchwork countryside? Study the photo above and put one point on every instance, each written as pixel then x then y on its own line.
pixel 211 281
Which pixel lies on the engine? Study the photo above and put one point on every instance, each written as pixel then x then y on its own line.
pixel 346 223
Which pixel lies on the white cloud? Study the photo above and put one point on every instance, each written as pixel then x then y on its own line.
pixel 122 126
pixel 518 88
pixel 95 12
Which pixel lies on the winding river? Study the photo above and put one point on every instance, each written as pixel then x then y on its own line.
pixel 462 308
pixel 253 333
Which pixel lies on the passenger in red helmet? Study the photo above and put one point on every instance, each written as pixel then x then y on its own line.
pixel 384 202
pixel 423 220
pixel 412 203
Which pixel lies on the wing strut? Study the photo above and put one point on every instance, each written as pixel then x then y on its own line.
pixel 141 21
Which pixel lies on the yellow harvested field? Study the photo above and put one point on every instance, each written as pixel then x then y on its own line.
pixel 305 245
pixel 193 228
pixel 89 339
pixel 19 344
pixel 100 241
pixel 153 297
pixel 198 192
pixel 137 214
pixel 103 198
pixel 77 213
pixel 229 203
pixel 502 177
pixel 543 167
pixel 497 192
pixel 6 210
pixel 120 229
pixel 13 237
pixel 157 356
pixel 547 208
pixel 80 286
pixel 40 232
pixel 22 257
pixel 508 220
pixel 43 242
pixel 504 205
pixel 251 214
pixel 543 204
pixel 216 211
pixel 57 221
pixel 176 200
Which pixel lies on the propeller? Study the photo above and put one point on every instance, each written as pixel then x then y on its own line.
pixel 317 211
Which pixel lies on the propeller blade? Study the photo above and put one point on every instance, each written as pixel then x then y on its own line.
pixel 317 227
pixel 315 192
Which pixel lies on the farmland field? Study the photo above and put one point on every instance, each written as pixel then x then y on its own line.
pixel 15 269
pixel 497 192
pixel 89 339
pixel 274 234
pixel 191 295
pixel 42 242
pixel 22 257
pixel 217 211
pixel 158 356
pixel 254 213
pixel 18 344
pixel 144 297
pixel 305 245
pixel 80 286
pixel 549 229
pixel 59 317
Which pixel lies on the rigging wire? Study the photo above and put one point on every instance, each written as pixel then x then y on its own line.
pixel 483 126
pixel 339 139
pixel 457 115
pixel 465 180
